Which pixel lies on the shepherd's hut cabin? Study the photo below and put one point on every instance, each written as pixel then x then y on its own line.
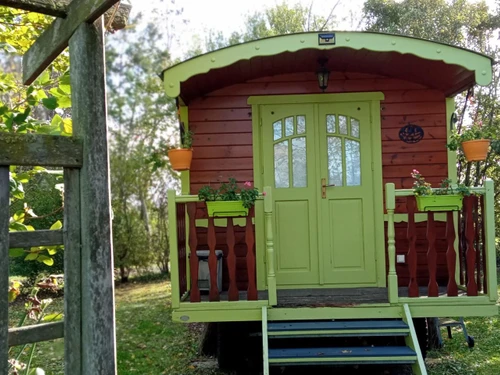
pixel 328 127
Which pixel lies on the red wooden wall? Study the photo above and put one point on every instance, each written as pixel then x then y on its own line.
pixel 222 123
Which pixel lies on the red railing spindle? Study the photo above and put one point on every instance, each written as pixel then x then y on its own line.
pixel 193 261
pixel 412 249
pixel 433 290
pixel 483 244
pixel 477 244
pixel 471 251
pixel 250 241
pixel 233 294
pixel 213 294
pixel 181 243
pixel 461 244
pixel 451 256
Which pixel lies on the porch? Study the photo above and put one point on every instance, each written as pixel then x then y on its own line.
pixel 449 268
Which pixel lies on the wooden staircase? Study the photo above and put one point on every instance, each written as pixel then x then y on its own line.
pixel 312 342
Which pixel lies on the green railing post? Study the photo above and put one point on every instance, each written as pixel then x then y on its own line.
pixel 271 275
pixel 489 215
pixel 174 261
pixel 392 279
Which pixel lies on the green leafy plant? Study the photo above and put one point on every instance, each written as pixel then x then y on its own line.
pixel 187 139
pixel 475 132
pixel 230 191
pixel 422 187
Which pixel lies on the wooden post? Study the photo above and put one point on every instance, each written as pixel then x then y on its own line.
pixel 392 278
pixel 88 82
pixel 433 289
pixel 489 216
pixel 174 261
pixel 72 272
pixel 4 268
pixel 271 275
pixel 412 248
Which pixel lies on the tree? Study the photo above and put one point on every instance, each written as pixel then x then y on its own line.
pixel 278 20
pixel 143 123
pixel 43 107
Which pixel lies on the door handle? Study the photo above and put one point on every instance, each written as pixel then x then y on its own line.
pixel 323 187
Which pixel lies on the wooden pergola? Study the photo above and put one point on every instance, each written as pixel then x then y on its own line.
pixel 89 318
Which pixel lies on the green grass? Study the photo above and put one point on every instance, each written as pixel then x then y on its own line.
pixel 148 342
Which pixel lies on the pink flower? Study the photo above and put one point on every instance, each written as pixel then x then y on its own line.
pixel 248 184
pixel 416 172
pixel 264 193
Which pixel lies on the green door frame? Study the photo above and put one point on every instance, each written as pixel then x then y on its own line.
pixel 373 99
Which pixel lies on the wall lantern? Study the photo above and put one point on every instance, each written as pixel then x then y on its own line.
pixel 322 73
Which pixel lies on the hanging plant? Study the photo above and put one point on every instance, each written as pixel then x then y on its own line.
pixel 474 142
pixel 181 157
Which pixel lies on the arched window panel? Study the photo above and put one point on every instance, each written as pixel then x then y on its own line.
pixel 343 150
pixel 290 152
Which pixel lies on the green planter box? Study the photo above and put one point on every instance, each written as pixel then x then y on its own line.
pixel 226 208
pixel 439 202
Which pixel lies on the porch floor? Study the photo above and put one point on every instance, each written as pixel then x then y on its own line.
pixel 330 297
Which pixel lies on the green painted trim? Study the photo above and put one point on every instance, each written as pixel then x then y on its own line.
pixel 260 244
pixel 491 262
pixel 392 277
pixel 221 222
pixel 185 175
pixel 224 305
pixel 343 360
pixel 458 310
pixel 265 342
pixel 337 332
pixel 378 192
pixel 174 261
pixel 412 343
pixel 452 155
pixel 316 98
pixel 419 217
pixel 223 315
pixel 480 64
pixel 312 313
pixel 269 233
pixel 445 301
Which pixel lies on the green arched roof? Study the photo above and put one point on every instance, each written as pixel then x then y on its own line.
pixel 471 61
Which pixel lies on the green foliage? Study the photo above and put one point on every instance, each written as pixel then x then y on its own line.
pixel 229 191
pixel 422 187
pixel 474 132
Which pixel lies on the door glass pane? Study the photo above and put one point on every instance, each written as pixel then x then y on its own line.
pixel 352 163
pixel 354 127
pixel 281 169
pixel 330 123
pixel 342 124
pixel 334 161
pixel 278 131
pixel 301 124
pixel 288 126
pixel 299 162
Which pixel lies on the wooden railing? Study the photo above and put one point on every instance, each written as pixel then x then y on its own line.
pixel 186 233
pixel 469 238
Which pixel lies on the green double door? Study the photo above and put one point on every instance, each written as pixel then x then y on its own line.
pixel 318 159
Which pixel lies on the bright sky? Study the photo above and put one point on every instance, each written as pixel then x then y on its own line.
pixel 228 15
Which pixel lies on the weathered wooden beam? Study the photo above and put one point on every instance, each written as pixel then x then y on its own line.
pixel 4 267
pixel 36 149
pixel 36 333
pixel 59 8
pixel 88 82
pixel 56 8
pixel 72 273
pixel 36 238
pixel 55 39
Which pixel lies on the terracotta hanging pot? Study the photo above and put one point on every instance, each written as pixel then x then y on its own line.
pixel 180 158
pixel 476 150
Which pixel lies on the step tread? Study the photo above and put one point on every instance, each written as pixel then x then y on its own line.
pixel 336 325
pixel 346 352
